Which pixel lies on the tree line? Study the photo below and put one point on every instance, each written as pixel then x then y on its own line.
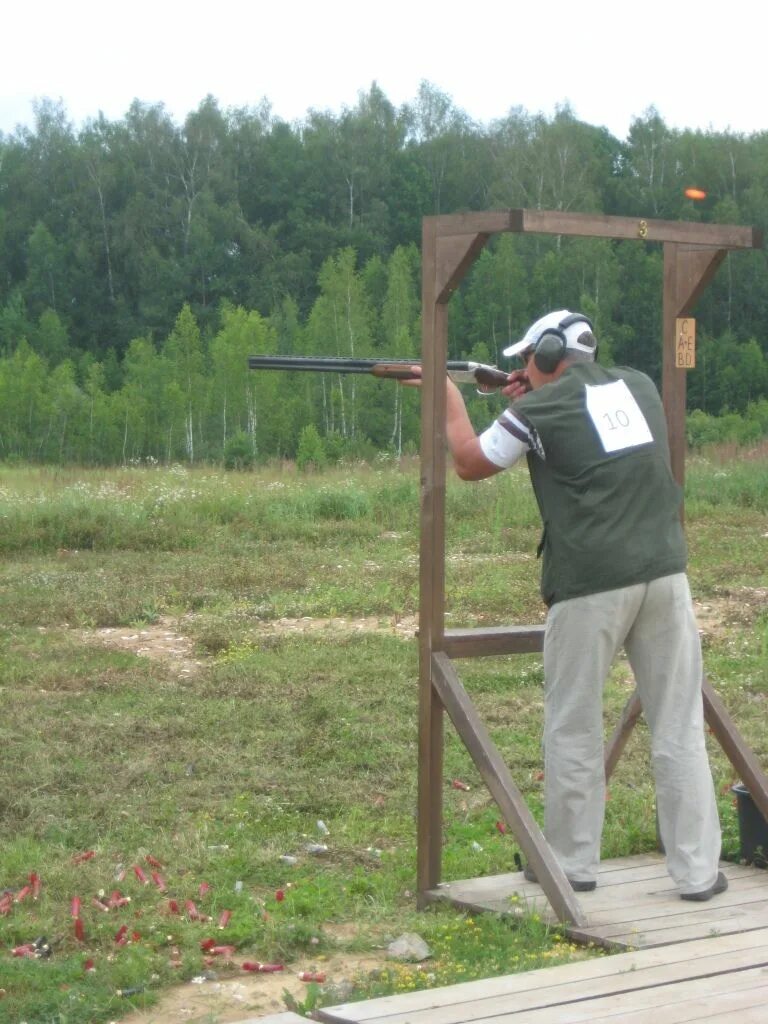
pixel 141 262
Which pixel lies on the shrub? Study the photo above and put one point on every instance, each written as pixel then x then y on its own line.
pixel 239 451
pixel 341 503
pixel 310 453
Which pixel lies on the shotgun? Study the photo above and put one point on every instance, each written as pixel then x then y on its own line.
pixel 486 378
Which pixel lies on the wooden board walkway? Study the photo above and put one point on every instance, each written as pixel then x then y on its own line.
pixel 634 906
pixel 713 981
pixel 700 963
pixel 288 1017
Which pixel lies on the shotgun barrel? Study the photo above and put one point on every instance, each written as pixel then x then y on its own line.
pixel 486 378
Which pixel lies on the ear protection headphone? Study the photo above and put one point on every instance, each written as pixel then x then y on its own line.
pixel 551 344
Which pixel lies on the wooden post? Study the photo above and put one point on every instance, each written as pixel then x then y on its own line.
pixel 432 568
pixel 446 255
pixel 687 272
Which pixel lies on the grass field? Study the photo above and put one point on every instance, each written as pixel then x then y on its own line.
pixel 197 667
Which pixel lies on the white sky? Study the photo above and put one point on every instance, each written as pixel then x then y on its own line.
pixel 609 59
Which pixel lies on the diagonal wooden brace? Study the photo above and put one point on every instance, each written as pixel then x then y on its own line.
pixel 739 754
pixel 508 797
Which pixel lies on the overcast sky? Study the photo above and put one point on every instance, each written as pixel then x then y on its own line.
pixel 611 60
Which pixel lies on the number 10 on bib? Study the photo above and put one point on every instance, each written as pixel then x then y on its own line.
pixel 617 416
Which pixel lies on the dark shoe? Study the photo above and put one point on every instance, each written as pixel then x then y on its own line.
pixel 530 876
pixel 720 885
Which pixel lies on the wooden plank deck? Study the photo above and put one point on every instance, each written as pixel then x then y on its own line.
pixel 288 1017
pixel 714 980
pixel 634 906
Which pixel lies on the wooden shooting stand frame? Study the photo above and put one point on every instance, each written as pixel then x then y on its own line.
pixel 692 254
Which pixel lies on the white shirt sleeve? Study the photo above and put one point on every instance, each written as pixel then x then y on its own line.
pixel 506 440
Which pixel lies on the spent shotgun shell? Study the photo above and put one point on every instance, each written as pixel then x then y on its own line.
pixel 317 976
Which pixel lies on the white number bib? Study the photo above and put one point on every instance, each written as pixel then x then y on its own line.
pixel 617 416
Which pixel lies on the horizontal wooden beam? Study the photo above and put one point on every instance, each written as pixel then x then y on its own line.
pixel 593 225
pixel 476 643
pixel 719 236
pixel 482 222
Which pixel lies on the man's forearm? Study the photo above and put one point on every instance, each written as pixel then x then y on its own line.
pixel 458 426
pixel 463 443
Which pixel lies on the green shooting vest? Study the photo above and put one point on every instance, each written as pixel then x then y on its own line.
pixel 611 519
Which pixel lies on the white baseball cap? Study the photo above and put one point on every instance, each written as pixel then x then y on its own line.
pixel 562 322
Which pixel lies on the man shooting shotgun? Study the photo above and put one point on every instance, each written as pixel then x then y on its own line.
pixel 613 575
pixel 486 378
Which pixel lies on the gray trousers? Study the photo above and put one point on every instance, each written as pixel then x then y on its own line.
pixel 656 625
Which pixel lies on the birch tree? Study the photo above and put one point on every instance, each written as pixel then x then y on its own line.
pixel 340 324
pixel 184 352
pixel 400 324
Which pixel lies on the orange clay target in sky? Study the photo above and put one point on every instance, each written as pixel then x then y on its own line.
pixel 696 193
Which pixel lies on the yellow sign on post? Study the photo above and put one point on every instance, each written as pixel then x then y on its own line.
pixel 685 343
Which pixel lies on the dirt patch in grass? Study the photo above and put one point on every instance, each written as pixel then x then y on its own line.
pixel 246 996
pixel 165 640
pixel 405 627
pixel 733 608
pixel 161 642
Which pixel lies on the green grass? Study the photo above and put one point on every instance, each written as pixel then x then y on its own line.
pixel 220 773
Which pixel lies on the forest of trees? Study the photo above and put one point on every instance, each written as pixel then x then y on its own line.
pixel 142 261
